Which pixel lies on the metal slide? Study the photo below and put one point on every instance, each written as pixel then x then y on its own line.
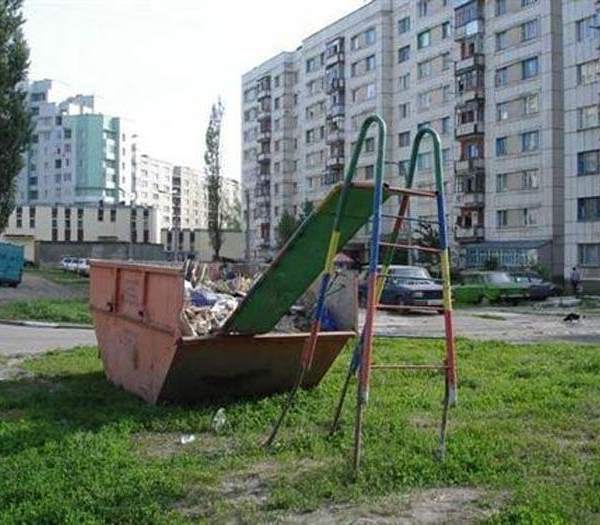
pixel 302 260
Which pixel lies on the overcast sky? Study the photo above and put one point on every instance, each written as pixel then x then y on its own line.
pixel 161 63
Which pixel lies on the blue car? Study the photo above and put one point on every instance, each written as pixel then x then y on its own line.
pixel 407 286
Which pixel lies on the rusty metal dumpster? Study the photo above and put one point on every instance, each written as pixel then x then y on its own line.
pixel 136 309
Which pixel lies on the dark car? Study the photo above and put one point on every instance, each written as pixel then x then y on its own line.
pixel 407 286
pixel 539 289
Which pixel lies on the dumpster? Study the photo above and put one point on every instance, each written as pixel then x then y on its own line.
pixel 136 310
pixel 11 264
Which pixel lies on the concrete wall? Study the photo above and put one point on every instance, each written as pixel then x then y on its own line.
pixel 50 253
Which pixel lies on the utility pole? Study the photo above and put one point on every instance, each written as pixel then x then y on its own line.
pixel 247 236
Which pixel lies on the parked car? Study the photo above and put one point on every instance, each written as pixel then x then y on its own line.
pixel 539 289
pixel 491 287
pixel 82 267
pixel 407 286
pixel 66 263
pixel 11 264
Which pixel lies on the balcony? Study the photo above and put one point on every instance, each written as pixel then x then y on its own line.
pixel 263 113
pixel 467 93
pixel 264 136
pixel 335 161
pixel 336 57
pixel 472 234
pixel 334 136
pixel 335 84
pixel 336 110
pixel 476 60
pixel 264 90
pixel 469 29
pixel 470 128
pixel 470 200
pixel 469 165
pixel 263 157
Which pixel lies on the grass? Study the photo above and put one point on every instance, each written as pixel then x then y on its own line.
pixel 59 276
pixel 75 449
pixel 48 310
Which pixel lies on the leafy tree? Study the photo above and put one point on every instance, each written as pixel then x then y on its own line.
pixel 214 181
pixel 307 209
pixel 285 228
pixel 427 235
pixel 15 121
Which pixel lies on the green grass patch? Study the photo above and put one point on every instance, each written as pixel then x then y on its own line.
pixel 75 449
pixel 59 276
pixel 49 310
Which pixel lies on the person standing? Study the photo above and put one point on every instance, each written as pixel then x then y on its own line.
pixel 575 281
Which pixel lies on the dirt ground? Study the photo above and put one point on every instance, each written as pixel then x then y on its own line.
pixel 36 287
pixel 501 324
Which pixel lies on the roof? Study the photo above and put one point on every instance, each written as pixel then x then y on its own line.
pixel 504 245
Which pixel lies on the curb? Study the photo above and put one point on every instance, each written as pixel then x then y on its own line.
pixel 42 324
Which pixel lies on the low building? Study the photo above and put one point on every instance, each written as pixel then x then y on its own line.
pixel 195 243
pixel 28 225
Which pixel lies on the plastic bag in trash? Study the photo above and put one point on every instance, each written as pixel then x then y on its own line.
pixel 203 297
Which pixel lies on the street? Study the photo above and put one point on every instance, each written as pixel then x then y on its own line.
pixel 25 340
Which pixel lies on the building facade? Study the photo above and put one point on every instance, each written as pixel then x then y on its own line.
pixel 77 155
pixel 498 80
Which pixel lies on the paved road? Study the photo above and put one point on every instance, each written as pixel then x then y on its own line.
pixel 24 340
pixel 36 287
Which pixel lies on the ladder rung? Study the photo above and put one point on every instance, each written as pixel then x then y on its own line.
pixel 409 219
pixel 410 307
pixel 411 192
pixel 410 247
pixel 409 367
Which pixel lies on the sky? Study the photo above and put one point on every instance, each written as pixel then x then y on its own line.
pixel 162 63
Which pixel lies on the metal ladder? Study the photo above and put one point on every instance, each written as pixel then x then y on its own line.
pixel 363 349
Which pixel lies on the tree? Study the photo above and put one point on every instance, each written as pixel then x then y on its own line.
pixel 15 120
pixel 427 235
pixel 214 181
pixel 285 228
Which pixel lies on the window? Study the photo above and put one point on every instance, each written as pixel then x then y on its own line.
pixel 501 218
pixel 100 214
pixel 529 30
pixel 423 7
pixel 502 111
pixel 403 54
pixel 445 125
pixel 370 36
pixel 311 64
pixel 370 145
pixel 404 25
pixel 529 68
pixel 501 143
pixel 530 180
pixel 57 163
pixel 371 91
pixel 19 213
pixel 587 72
pixel 501 182
pixel 113 215
pixel 531 104
pixel 424 161
pixel 67 133
pixel 501 77
pixel 424 39
pixel 588 162
pixel 446 31
pixel 404 139
pixel 404 110
pixel 530 141
pixel 588 254
pixel 501 40
pixel 446 61
pixel 446 93
pixel 424 69
pixel 500 7
pixel 588 209
pixel 369 172
pixel 404 82
pixel 425 100
pixel 588 117
pixel 586 28
pixel 525 3
pixel 370 63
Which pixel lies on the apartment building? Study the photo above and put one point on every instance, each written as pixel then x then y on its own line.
pixel 153 183
pixel 77 155
pixel 488 76
pixel 582 140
